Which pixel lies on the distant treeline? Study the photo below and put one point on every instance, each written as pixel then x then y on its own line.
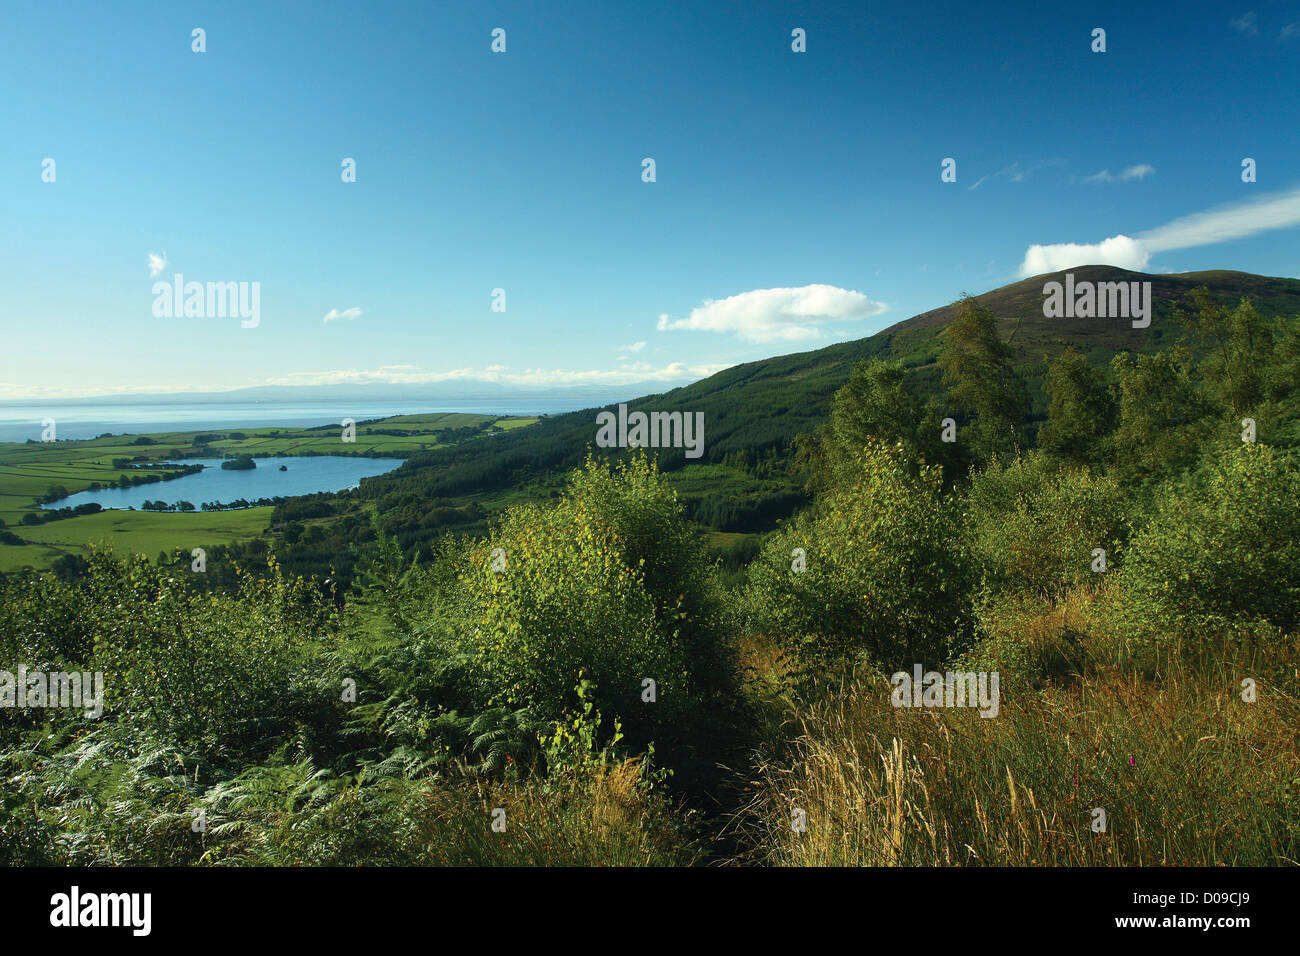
pixel 146 474
pixel 47 515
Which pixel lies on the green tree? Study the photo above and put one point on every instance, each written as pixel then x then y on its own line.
pixel 1162 415
pixel 876 403
pixel 55 493
pixel 1239 346
pixel 981 382
pixel 1081 410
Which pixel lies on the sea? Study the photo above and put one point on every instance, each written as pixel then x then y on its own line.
pixel 18 423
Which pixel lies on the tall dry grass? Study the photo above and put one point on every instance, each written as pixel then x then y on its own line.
pixel 1186 771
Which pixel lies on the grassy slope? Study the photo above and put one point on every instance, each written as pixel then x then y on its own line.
pixel 132 532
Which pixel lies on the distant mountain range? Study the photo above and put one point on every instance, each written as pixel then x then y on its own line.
pixel 462 390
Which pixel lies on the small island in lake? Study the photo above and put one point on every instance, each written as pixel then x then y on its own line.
pixel 242 463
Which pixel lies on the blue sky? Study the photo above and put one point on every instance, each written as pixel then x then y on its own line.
pixel 797 201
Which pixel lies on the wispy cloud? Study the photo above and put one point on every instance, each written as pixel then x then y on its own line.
pixel 1016 173
pixel 766 315
pixel 12 391
pixel 1140 171
pixel 634 347
pixel 334 314
pixel 1231 221
pixel 157 263
pixel 1247 23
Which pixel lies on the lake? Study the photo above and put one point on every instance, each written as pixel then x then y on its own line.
pixel 304 476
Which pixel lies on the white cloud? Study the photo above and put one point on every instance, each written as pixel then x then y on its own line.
pixel 333 314
pixel 1247 23
pixel 157 264
pixel 1117 251
pixel 1015 173
pixel 1140 171
pixel 1290 31
pixel 766 315
pixel 634 347
pixel 1234 221
pixel 640 372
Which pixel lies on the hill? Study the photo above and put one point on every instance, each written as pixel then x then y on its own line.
pixel 753 411
pixel 1037 338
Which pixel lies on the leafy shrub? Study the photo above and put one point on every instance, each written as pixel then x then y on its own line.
pixel 45 624
pixel 610 580
pixel 886 572
pixel 1223 545
pixel 1033 526
pixel 206 671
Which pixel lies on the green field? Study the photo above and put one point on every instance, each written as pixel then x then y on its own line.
pixel 132 532
pixel 30 470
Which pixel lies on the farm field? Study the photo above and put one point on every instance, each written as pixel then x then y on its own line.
pixel 133 532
